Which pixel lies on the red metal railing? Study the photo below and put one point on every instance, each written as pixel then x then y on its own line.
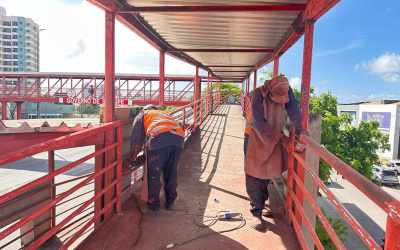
pixel 73 207
pixel 50 87
pixel 299 194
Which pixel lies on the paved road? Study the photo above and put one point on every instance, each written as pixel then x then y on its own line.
pixel 31 168
pixel 369 215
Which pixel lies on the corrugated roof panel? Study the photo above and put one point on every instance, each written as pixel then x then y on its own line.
pixel 221 30
pixel 205 2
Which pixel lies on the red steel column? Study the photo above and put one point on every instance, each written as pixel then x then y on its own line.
pixel 109 75
pixel 162 78
pixel 247 85
pixel 109 105
pixel 19 110
pixel 305 99
pixel 255 80
pixel 306 74
pixel 4 110
pixel 392 240
pixel 196 97
pixel 276 67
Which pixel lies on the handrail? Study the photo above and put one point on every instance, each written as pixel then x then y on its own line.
pixel 58 142
pixel 372 191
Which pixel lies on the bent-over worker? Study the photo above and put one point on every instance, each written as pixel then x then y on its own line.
pixel 162 138
pixel 265 119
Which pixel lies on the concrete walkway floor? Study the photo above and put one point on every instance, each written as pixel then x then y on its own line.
pixel 211 179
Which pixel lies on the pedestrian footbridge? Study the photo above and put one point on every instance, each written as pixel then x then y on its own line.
pixel 87 200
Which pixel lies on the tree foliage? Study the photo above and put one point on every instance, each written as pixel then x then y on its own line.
pixel 337 225
pixel 88 109
pixel 355 145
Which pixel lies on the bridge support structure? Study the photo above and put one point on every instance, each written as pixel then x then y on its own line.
pixel 4 110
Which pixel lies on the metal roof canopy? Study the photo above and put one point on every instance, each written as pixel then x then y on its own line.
pixel 229 39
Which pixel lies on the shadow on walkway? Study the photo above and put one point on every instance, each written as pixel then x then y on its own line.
pixel 211 179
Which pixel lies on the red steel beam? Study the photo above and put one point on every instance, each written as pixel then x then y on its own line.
pixel 216 8
pixel 230 66
pixel 230 71
pixel 222 50
pixel 162 78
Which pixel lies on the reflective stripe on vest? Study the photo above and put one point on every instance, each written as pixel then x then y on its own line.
pixel 157 122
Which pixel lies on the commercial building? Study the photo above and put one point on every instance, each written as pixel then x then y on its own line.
pixel 386 113
pixel 19 51
pixel 19 43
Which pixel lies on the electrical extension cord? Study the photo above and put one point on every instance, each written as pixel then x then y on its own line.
pixel 228 216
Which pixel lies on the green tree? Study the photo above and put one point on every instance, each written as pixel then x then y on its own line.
pixel 355 145
pixel 88 109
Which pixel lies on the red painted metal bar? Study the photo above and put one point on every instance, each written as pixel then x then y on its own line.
pixel 197 90
pixel 43 238
pixel 372 191
pixel 307 223
pixel 109 74
pixel 230 66
pixel 392 239
pixel 223 50
pixel 216 8
pixel 230 71
pixel 4 111
pixel 119 169
pixel 162 77
pixel 306 73
pixel 276 67
pixel 87 225
pixel 60 142
pixel 317 210
pixel 19 110
pixel 255 80
pixel 362 233
pixel 51 168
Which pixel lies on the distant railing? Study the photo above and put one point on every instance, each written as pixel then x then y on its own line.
pixel 68 209
pixel 50 87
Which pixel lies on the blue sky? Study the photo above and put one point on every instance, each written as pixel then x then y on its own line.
pixel 356 46
pixel 356 51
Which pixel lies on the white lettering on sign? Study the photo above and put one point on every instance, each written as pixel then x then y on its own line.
pixel 76 100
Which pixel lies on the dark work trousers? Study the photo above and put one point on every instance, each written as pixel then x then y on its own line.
pixel 257 189
pixel 165 161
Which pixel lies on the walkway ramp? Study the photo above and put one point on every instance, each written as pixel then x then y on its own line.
pixel 211 179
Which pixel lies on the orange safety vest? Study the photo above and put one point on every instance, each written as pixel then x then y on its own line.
pixel 157 122
pixel 249 115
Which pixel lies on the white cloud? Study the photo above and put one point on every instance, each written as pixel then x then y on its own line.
pixel 386 66
pixel 350 46
pixel 73 39
pixel 295 82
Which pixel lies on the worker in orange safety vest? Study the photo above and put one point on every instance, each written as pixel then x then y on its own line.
pixel 161 137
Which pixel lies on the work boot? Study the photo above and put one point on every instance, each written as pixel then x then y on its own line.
pixel 257 213
pixel 170 205
pixel 152 210
pixel 268 213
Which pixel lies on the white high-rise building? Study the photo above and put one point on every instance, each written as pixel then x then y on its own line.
pixel 19 43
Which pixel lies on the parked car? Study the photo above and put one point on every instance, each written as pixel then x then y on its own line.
pixel 395 165
pixel 385 176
